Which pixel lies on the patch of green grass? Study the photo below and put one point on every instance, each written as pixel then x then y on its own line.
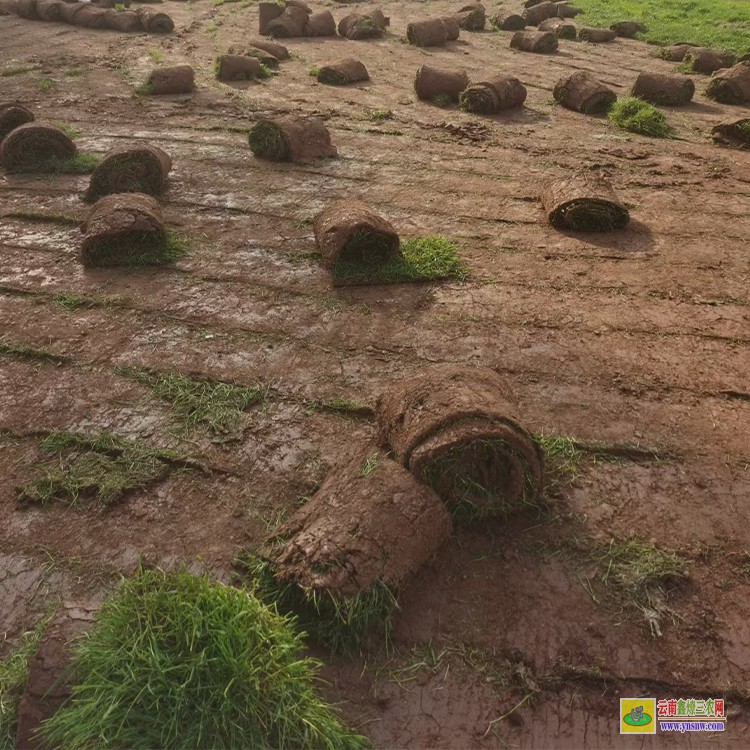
pixel 341 624
pixel 45 84
pixel 313 71
pixel 22 350
pixel 217 407
pixel 421 259
pixel 370 464
pixel 70 130
pixel 43 216
pixel 70 301
pixel 103 467
pixel 178 661
pixel 14 670
pixel 265 71
pixel 638 116
pixel 156 55
pixel 339 405
pixel 83 162
pixel 15 70
pixel 709 23
pixel 442 100
pixel 379 115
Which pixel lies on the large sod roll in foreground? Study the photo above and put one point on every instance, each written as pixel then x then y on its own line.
pixel 456 428
pixel 343 72
pixel 130 169
pixel 13 116
pixel 493 95
pixel 735 133
pixel 298 139
pixel 430 33
pixel 582 92
pixel 583 203
pixel 731 86
pixel 35 147
pixel 431 83
pixel 126 229
pixel 662 88
pixel 350 232
pixel 542 42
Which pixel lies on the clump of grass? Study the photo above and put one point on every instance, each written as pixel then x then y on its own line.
pixel 15 70
pixel 379 115
pixel 83 162
pixel 213 405
pixel 313 71
pixel 177 661
pixel 421 259
pixel 339 405
pixel 103 467
pixel 370 464
pixel 53 218
pixel 45 84
pixel 73 73
pixel 156 55
pixel 70 130
pixel 340 624
pixel 265 71
pixel 70 301
pixel 562 458
pixel 21 350
pixel 638 116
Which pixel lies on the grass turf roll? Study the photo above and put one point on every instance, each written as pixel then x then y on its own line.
pixel 628 29
pixel 123 20
pixel 261 55
pixel 452 29
pixel 237 67
pixel 49 10
pixel 705 60
pixel 471 17
pixel 596 36
pixel 27 9
pixel 154 21
pixel 508 21
pixel 291 23
pixel 675 53
pixel 562 29
pixel 493 95
pixel 456 428
pixel 434 82
pixel 732 85
pixel 139 168
pixel 279 51
pixel 349 231
pixel 289 138
pixel 582 92
pixel 13 116
pixel 69 11
pixel 343 72
pixel 583 203
pixel 379 18
pixel 176 79
pixel 125 229
pixel 565 10
pixel 429 33
pixel 359 26
pixel 539 12
pixel 662 88
pixel 320 24
pixel 91 17
pixel 541 42
pixel 267 12
pixel 35 147
pixel 735 133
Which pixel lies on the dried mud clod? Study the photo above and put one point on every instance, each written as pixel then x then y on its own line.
pixel 430 83
pixel 343 72
pixel 13 116
pixel 296 139
pixel 584 203
pixel 731 86
pixel 662 88
pixel 35 147
pixel 541 42
pixel 735 133
pixel 493 95
pixel 582 92
pixel 456 428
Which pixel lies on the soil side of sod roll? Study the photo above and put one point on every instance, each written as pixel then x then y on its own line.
pixel 123 20
pixel 343 72
pixel 539 12
pixel 177 79
pixel 379 18
pixel 541 42
pixel 320 24
pixel 675 53
pixel 583 203
pixel 582 92
pixel 139 168
pixel 91 17
pixel 452 29
pixel 359 26
pixel 705 60
pixel 27 9
pixel 13 116
pixel 267 12
pixel 290 24
pixel 509 21
pixel 429 33
pixel 562 29
pixel 457 429
pixel 434 82
pixel 289 138
pixel 732 85
pixel 349 231
pixel 237 68
pixel 35 147
pixel 49 10
pixel 735 133
pixel 472 19
pixel 126 229
pixel 155 22
pixel 279 51
pixel 596 36
pixel 662 88
pixel 493 95
pixel 565 10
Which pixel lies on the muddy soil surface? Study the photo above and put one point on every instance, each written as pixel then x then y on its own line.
pixel 509 638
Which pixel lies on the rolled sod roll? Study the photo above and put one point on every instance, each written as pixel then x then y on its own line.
pixel 628 29
pixel 91 17
pixel 735 133
pixel 509 21
pixel 27 9
pixel 370 522
pixel 266 13
pixel 705 60
pixel 456 428
pixel 379 18
pixel 263 57
pixel 177 79
pixel 493 95
pixel 69 11
pixel 299 4
pixel 596 36
pixel 320 24
pixel 343 72
pixel 452 29
pixel 560 28
pixel 155 22
pixel 349 231
pixel 430 33
pixel 291 23
pixel 661 88
pixel 297 139
pixel 279 51
pixel 675 53
pixel 582 92
pixel 140 168
pixel 358 26
pixel 565 10
pixel 732 85
pixel 13 116
pixel 434 82
pixel 583 203
pixel 35 147
pixel 49 10
pixel 543 42
pixel 123 230
pixel 237 68
pixel 123 20
pixel 471 18
pixel 539 12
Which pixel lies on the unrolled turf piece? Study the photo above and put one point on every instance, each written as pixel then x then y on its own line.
pixel 675 53
pixel 349 231
pixel 539 12
pixel 297 139
pixel 291 23
pixel 661 88
pixel 343 72
pixel 543 42
pixel 565 10
pixel 429 33
pixel 155 22
pixel 177 79
pixel 705 60
pixel 126 20
pixel 452 29
pixel 124 229
pixel 562 29
pixel 732 85
pixel 35 147
pixel 49 10
pixel 434 82
pixel 266 13
pixel 735 133
pixel 279 51
pixel 140 168
pixel 509 21
pixel 456 428
pixel 359 26
pixel 237 67
pixel 582 92
pixel 628 29
pixel 13 116
pixel 493 95
pixel 596 36
pixel 583 203
pixel 471 17
pixel 320 24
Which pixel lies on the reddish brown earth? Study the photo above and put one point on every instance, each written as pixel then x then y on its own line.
pixel 639 337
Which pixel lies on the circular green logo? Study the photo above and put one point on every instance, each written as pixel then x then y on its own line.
pixel 640 719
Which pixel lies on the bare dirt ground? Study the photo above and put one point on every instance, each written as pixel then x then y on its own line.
pixel 639 336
